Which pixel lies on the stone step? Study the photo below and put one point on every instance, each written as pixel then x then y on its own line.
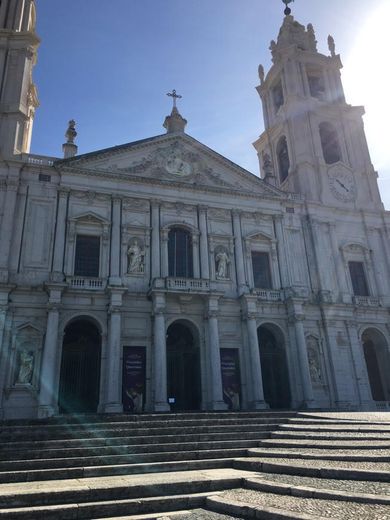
pixel 317 468
pixel 104 460
pixel 335 428
pixel 340 422
pixel 136 449
pixel 338 436
pixel 355 487
pixel 322 454
pixel 126 487
pixel 256 504
pixel 8 450
pixel 72 419
pixel 123 430
pixel 181 462
pixel 331 444
pixel 105 508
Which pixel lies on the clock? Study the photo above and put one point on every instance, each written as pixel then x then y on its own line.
pixel 342 185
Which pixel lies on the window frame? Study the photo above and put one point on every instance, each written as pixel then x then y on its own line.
pixel 265 254
pixel 173 271
pixel 77 271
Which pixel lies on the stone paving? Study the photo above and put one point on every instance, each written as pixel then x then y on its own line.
pixel 336 509
pixel 351 486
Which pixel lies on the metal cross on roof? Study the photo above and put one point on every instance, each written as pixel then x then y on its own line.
pixel 174 96
pixel 287 11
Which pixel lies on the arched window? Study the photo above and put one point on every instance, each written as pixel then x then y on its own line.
pixel 330 143
pixel 283 159
pixel 180 253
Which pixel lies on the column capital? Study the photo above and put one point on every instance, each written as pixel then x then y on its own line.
pixel 236 213
pixel 114 309
pixel 63 192
pixel 12 184
pixel 155 203
pixel 53 307
pixel 116 199
pixel 211 313
pixel 296 318
pixel 203 208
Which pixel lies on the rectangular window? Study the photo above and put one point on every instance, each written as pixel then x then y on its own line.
pixel 358 278
pixel 261 270
pixel 87 256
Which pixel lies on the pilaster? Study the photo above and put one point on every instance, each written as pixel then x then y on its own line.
pixel 47 399
pixel 160 403
pixel 214 355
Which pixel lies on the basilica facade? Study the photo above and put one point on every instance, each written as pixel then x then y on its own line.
pixel 159 276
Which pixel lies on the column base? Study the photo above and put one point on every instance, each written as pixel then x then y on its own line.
pixel 115 281
pixel 306 405
pixel 113 408
pixel 45 411
pixel 259 405
pixel 218 406
pixel 161 407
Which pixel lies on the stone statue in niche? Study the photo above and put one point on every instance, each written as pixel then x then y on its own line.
pixel 222 261
pixel 314 362
pixel 136 258
pixel 26 367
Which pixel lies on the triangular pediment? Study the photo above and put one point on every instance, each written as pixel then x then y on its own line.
pixel 171 158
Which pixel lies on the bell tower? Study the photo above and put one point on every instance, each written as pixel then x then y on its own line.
pixel 314 142
pixel 18 94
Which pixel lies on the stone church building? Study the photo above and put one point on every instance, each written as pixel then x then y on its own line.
pixel 158 275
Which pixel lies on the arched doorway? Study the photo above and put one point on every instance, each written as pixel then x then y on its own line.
pixel 377 359
pixel 80 368
pixel 183 367
pixel 274 369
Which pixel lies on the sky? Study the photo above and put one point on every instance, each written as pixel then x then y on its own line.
pixel 109 64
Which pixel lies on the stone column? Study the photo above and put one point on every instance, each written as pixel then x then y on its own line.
pixel 256 390
pixel 204 254
pixel 359 365
pixel 239 252
pixel 195 255
pixel 115 251
pixel 281 249
pixel 6 226
pixel 164 253
pixel 303 360
pixel 47 400
pixel 160 354
pixel 340 272
pixel 113 403
pixel 59 247
pixel 214 356
pixel 155 239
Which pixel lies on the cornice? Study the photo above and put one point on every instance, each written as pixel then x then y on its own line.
pixel 178 185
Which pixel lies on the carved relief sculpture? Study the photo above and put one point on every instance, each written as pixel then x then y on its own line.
pixel 136 258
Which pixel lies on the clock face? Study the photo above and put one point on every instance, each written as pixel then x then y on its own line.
pixel 342 185
pixel 177 166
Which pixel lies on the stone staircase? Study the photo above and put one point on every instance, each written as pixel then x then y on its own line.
pixel 195 466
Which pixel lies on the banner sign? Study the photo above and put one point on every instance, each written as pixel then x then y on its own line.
pixel 134 379
pixel 230 370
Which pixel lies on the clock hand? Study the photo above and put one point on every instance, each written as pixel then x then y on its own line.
pixel 342 185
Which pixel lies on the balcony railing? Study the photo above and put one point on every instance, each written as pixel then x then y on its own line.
pixel 187 284
pixel 91 284
pixel 268 295
pixel 367 301
pixel 383 406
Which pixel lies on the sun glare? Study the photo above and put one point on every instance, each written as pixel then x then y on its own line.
pixel 367 81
